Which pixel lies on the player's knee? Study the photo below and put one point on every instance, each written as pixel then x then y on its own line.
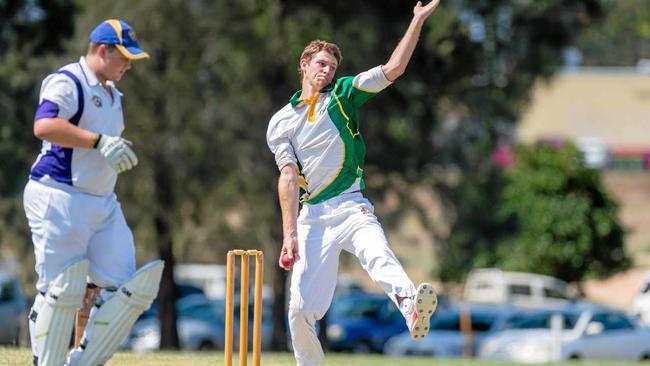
pixel 302 316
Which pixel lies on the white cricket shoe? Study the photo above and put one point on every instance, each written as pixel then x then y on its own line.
pixel 422 308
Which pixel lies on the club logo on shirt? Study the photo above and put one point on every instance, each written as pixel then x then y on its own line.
pixel 97 101
pixel 323 107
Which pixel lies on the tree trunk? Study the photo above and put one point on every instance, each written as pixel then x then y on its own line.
pixel 167 294
pixel 279 339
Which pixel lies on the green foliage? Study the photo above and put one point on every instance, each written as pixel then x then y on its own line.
pixel 30 32
pixel 198 109
pixel 567 223
pixel 622 38
pixel 513 44
pixel 478 226
pixel 549 214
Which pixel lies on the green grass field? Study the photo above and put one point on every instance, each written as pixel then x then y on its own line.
pixel 22 357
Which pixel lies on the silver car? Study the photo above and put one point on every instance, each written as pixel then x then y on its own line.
pixel 200 326
pixel 445 338
pixel 13 307
pixel 581 332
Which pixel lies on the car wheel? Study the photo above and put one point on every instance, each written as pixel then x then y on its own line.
pixel 574 357
pixel 361 347
pixel 645 357
pixel 207 346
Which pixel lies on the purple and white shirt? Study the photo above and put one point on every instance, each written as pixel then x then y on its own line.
pixel 74 94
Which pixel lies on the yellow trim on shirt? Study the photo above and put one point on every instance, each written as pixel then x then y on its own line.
pixel 302 182
pixel 311 117
pixel 341 107
pixel 364 90
pixel 338 172
pixel 346 117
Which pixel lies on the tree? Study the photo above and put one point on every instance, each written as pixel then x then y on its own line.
pixel 511 45
pixel 556 218
pixel 31 33
pixel 198 110
pixel 197 113
pixel 622 38
pixel 567 224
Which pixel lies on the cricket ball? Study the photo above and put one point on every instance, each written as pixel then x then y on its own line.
pixel 285 261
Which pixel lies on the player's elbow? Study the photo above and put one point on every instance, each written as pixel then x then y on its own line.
pixel 288 178
pixel 41 128
pixel 288 175
pixel 393 71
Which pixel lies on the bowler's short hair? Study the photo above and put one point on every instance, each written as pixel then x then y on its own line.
pixel 318 45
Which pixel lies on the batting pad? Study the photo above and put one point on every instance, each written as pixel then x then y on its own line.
pixel 114 319
pixel 53 326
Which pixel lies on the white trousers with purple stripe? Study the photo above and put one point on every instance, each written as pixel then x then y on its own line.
pixel 345 223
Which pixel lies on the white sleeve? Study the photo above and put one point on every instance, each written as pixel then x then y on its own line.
pixel 278 137
pixel 62 91
pixel 371 81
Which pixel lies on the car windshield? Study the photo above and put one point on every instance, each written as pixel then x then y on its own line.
pixel 357 308
pixel 206 312
pixel 540 320
pixel 480 322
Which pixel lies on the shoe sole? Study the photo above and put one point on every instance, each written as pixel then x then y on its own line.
pixel 426 302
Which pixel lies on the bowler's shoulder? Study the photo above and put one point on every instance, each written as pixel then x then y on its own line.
pixel 344 81
pixel 342 84
pixel 283 115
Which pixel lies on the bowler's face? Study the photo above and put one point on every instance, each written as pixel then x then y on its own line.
pixel 319 71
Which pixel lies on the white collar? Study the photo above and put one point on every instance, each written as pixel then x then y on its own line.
pixel 91 78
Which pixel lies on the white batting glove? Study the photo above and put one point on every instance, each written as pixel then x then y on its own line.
pixel 117 152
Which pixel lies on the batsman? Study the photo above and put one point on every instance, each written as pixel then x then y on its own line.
pixel 79 232
pixel 320 153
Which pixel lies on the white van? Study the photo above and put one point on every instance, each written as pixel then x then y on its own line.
pixel 211 278
pixel 492 285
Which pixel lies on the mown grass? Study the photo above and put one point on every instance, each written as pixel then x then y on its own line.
pixel 22 356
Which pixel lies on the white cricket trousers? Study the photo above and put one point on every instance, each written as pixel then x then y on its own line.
pixel 345 223
pixel 68 225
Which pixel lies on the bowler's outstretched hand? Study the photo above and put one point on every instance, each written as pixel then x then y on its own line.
pixel 425 10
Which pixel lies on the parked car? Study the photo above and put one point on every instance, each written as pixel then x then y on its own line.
pixel 200 325
pixel 347 285
pixel 641 303
pixel 13 307
pixel 492 285
pixel 445 338
pixel 584 332
pixel 362 322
